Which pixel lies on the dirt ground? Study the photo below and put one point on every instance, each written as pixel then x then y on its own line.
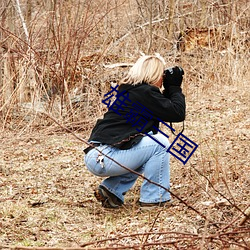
pixel 46 193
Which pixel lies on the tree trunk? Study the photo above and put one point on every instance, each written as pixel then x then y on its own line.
pixel 150 9
pixel 171 20
pixel 28 87
pixel 6 66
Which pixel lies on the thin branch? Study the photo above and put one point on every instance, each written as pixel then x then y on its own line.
pixel 138 27
pixel 174 236
pixel 130 170
pixel 153 224
pixel 246 217
pixel 217 191
pixel 115 65
pixel 19 11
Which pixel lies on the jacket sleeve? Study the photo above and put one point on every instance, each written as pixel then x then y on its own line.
pixel 169 106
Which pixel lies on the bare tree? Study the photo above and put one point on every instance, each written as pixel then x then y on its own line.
pixel 27 85
pixel 6 62
pixel 171 19
pixel 150 10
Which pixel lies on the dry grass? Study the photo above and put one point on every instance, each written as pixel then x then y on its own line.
pixel 46 193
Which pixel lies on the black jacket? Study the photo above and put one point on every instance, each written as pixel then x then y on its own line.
pixel 115 128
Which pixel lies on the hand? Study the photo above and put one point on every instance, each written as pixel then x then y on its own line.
pixel 173 77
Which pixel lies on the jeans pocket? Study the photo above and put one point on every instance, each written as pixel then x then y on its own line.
pixel 95 160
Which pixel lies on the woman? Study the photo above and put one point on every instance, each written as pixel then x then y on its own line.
pixel 128 134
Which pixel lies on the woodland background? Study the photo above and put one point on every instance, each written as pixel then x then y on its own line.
pixel 58 59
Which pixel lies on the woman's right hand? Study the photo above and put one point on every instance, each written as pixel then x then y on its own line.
pixel 173 77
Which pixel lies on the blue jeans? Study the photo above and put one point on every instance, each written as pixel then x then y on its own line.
pixel 147 157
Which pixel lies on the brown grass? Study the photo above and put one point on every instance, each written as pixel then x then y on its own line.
pixel 46 193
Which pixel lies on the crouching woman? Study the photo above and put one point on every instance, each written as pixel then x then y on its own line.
pixel 129 134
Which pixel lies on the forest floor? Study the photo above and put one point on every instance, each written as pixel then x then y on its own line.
pixel 46 192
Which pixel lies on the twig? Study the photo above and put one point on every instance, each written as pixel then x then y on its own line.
pixel 216 190
pixel 235 244
pixel 39 248
pixel 140 234
pixel 128 169
pixel 246 217
pixel 111 66
pixel 180 237
pixel 130 32
pixel 231 223
pixel 175 237
pixel 156 217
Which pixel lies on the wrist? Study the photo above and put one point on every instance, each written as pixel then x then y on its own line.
pixel 174 89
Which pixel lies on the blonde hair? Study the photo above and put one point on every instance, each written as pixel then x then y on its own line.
pixel 148 69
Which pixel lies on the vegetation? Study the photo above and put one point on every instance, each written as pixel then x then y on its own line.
pixel 58 59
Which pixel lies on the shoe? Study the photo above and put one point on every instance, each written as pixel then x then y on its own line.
pixel 107 199
pixel 151 206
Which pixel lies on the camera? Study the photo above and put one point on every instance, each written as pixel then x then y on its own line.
pixel 173 76
pixel 171 71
